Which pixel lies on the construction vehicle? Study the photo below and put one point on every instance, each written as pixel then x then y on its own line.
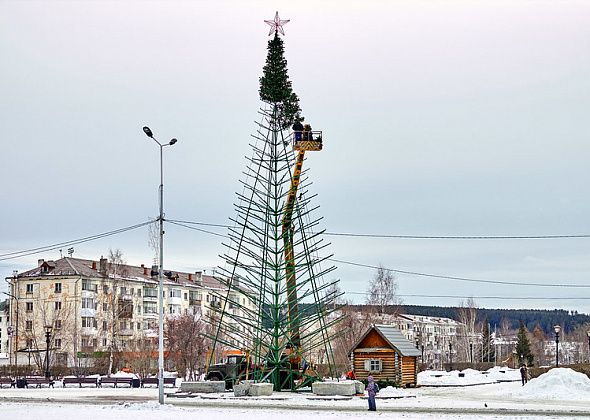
pixel 234 367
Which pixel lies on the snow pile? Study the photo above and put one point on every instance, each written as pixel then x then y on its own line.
pixel 503 374
pixel 557 384
pixel 392 392
pixel 454 378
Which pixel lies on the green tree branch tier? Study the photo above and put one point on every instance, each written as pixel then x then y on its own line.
pixel 275 86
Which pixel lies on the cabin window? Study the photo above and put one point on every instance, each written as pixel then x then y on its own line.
pixel 373 365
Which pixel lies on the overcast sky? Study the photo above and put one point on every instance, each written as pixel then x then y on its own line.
pixel 439 118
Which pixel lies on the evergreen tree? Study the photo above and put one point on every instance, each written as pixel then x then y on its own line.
pixel 275 86
pixel 488 350
pixel 523 346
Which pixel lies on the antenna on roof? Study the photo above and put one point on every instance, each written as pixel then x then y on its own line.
pixel 70 251
pixel 60 254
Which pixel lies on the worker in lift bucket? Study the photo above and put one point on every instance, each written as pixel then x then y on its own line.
pixel 297 128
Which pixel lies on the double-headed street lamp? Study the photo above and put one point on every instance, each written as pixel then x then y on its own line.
pixel 149 133
pixel 557 329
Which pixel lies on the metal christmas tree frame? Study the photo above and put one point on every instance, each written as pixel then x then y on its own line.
pixel 277 307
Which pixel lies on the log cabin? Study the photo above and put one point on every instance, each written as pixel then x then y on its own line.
pixel 387 355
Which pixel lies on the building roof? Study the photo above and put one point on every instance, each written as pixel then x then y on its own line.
pixel 68 266
pixel 394 337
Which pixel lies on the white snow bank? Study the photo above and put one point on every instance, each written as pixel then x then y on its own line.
pixel 453 378
pixel 503 374
pixel 557 384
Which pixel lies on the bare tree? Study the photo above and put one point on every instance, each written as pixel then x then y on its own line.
pixel 467 340
pixel 186 343
pixel 117 303
pixel 355 323
pixel 383 291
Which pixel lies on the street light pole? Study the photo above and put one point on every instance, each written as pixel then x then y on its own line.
pixel 48 329
pixel 471 353
pixel 149 133
pixel 557 328
pixel 588 334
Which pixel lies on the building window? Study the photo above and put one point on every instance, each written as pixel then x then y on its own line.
pixel 373 365
pixel 30 288
pixel 57 287
pixel 185 296
pixel 105 306
pixel 150 308
pixel 123 291
pixel 105 289
pixel 57 305
pixel 104 325
pixel 139 292
pixel 58 324
pixel 104 342
pixel 139 326
pixel 29 343
pixel 150 292
pixel 175 293
pixel 57 343
pixel 29 306
pixel 87 303
pixel 123 325
pixel 88 322
pixel 88 285
pixel 29 325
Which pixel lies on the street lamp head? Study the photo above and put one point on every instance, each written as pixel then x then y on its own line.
pixel 173 141
pixel 148 132
pixel 557 329
pixel 48 328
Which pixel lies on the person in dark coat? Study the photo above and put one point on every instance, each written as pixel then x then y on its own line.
pixel 524 373
pixel 372 389
pixel 297 128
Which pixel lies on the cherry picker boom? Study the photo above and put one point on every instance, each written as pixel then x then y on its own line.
pixel 300 144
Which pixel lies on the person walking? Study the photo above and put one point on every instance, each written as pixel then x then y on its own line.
pixel 372 389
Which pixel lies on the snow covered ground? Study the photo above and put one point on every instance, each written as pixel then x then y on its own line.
pixel 559 392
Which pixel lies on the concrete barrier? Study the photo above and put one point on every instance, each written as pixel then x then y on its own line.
pixel 359 387
pixel 334 388
pixel 258 390
pixel 242 389
pixel 203 387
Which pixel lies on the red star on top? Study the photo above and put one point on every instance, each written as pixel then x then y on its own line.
pixel 276 25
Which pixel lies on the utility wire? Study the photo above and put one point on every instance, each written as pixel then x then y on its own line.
pixel 174 222
pixel 393 236
pixel 465 279
pixel 415 273
pixel 26 252
pixel 479 297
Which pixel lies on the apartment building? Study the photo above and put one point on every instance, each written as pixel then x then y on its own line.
pixel 87 306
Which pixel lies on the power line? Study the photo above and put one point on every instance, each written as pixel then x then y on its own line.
pixel 394 236
pixel 465 279
pixel 480 297
pixel 415 273
pixel 32 251
pixel 174 222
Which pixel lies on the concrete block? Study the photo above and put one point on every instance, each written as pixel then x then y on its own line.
pixel 359 387
pixel 334 388
pixel 259 390
pixel 203 387
pixel 242 389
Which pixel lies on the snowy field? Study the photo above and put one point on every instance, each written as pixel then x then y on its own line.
pixel 558 393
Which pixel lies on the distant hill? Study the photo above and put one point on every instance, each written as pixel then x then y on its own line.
pixel 546 319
